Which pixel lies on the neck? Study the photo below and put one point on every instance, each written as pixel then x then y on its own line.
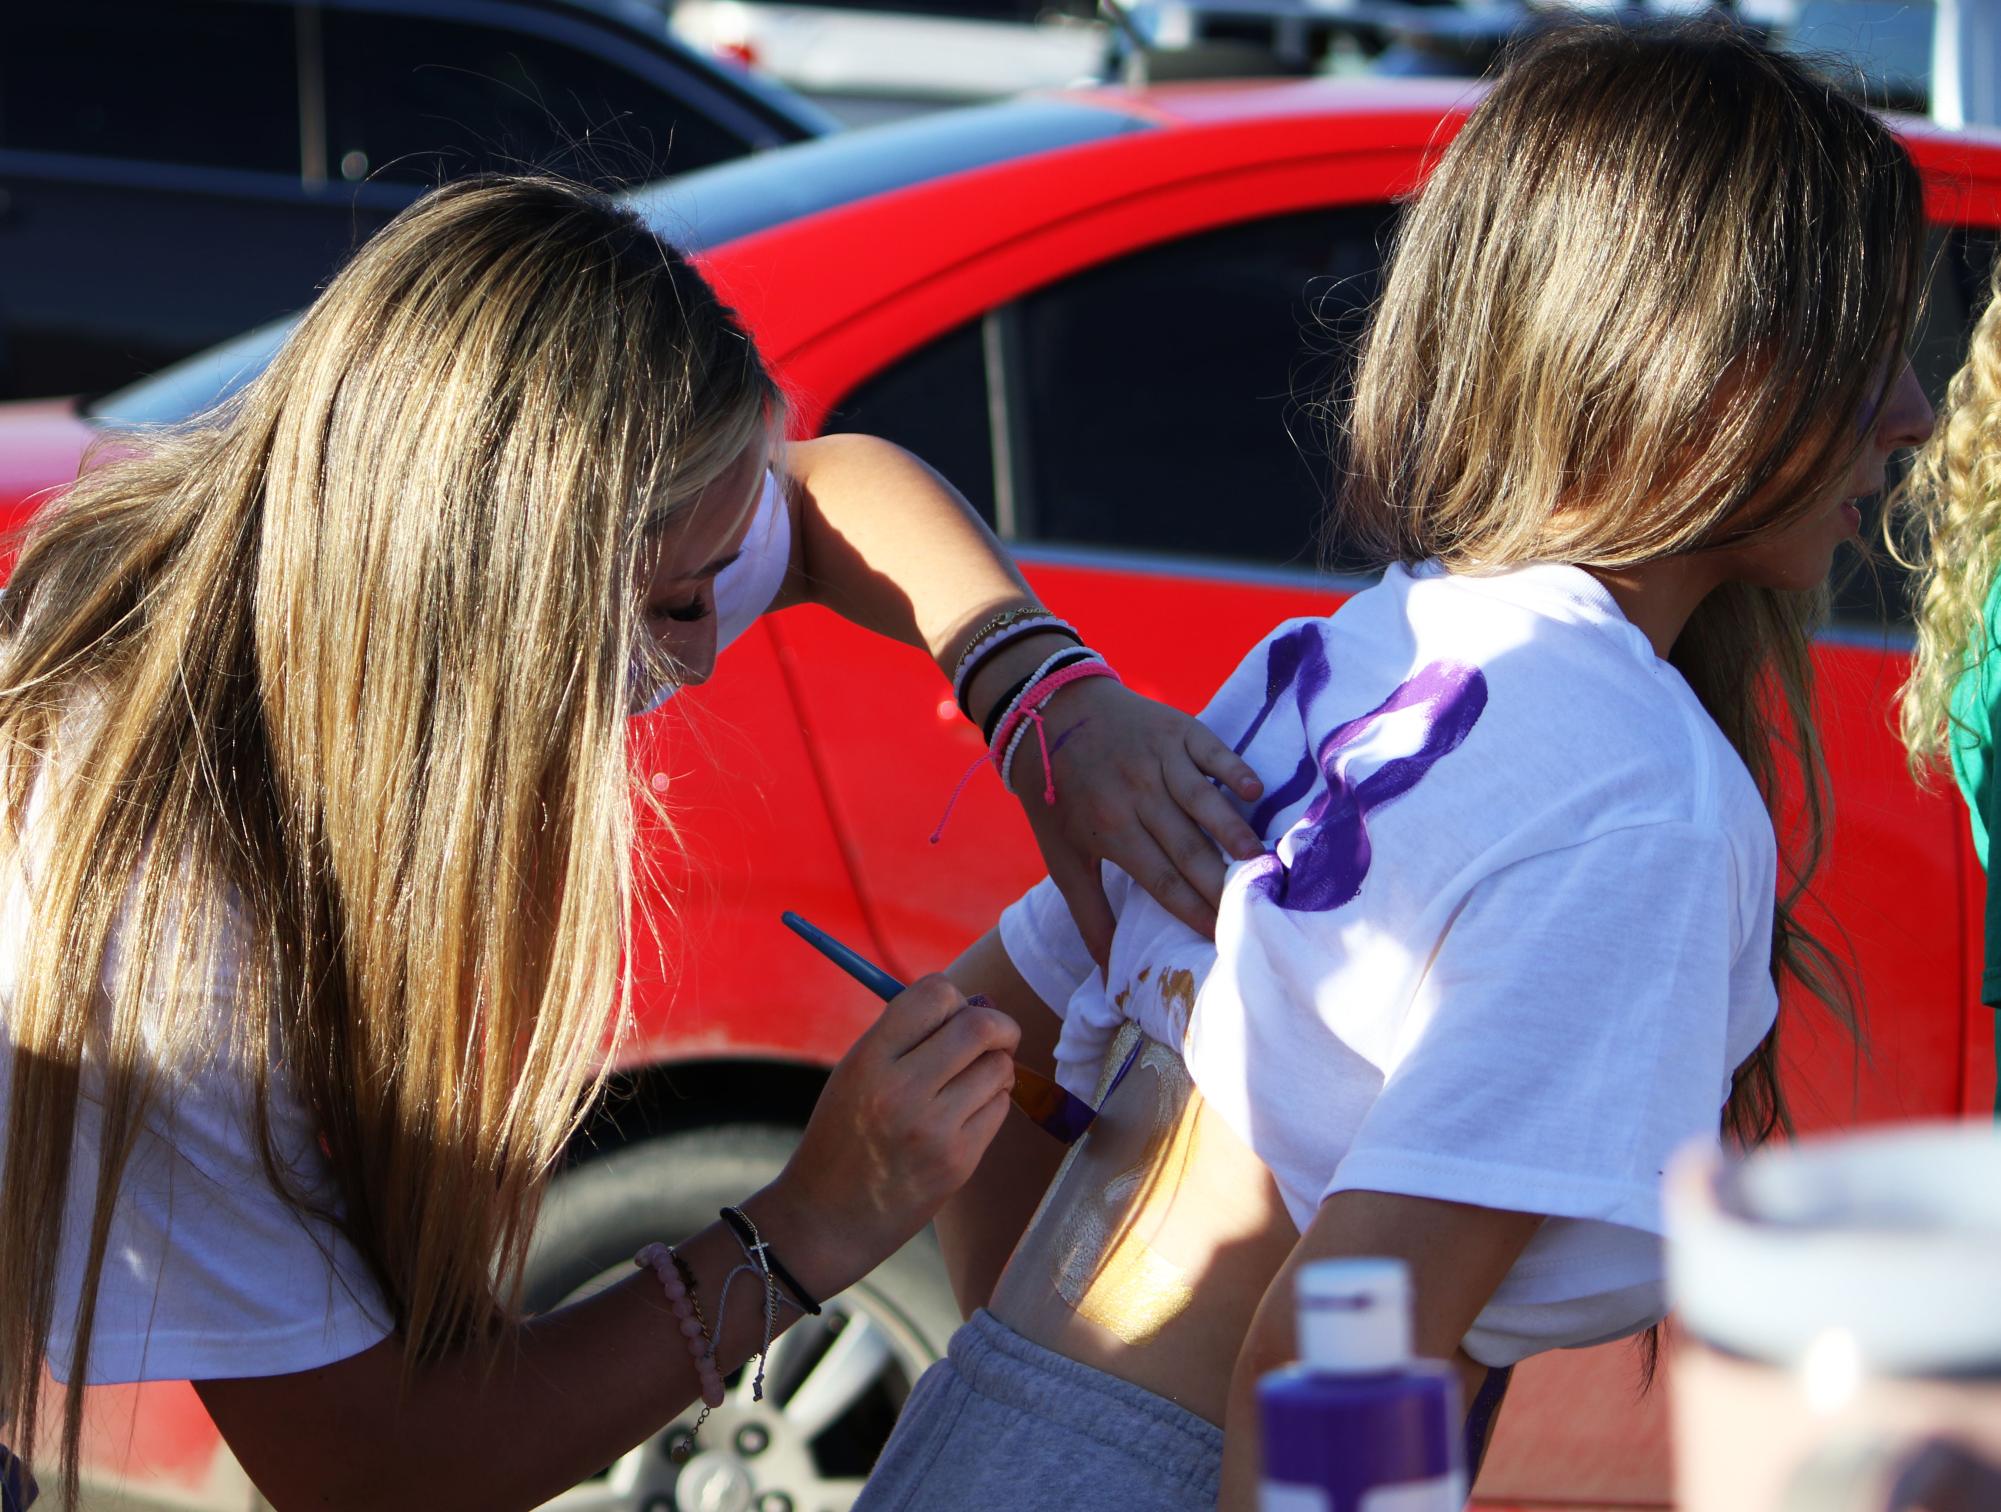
pixel 1658 597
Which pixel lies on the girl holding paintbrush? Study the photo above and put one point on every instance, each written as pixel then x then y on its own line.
pixel 317 848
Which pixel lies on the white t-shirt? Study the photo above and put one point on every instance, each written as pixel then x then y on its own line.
pixel 1512 939
pixel 209 1273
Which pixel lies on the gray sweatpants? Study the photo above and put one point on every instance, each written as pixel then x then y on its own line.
pixel 1001 1423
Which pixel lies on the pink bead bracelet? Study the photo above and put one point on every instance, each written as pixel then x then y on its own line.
pixel 659 1258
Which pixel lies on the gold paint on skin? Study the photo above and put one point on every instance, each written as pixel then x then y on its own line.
pixel 1103 1269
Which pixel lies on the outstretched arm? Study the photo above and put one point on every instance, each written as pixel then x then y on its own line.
pixel 885 542
pixel 901 1123
pixel 1457 1254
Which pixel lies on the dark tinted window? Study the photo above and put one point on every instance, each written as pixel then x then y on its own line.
pixel 1875 592
pixel 213 84
pixel 416 100
pixel 935 403
pixel 1169 396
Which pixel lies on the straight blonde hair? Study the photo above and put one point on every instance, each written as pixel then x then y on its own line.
pixel 1638 311
pixel 320 704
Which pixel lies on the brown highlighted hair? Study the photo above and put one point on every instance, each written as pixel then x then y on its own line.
pixel 1640 309
pixel 339 675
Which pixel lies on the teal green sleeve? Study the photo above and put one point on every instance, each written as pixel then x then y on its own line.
pixel 1976 720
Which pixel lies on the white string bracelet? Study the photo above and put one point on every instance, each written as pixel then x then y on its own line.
pixel 1021 730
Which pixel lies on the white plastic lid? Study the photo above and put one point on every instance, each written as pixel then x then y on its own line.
pixel 1883 1245
pixel 1354 1316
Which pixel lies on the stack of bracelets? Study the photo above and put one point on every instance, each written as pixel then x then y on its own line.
pixel 1007 723
pixel 677 1280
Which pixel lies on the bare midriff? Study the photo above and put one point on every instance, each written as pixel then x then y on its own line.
pixel 1155 1243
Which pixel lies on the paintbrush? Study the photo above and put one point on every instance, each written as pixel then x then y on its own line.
pixel 1048 1106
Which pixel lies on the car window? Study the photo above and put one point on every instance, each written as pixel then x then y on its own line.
pixel 414 99
pixel 1173 399
pixel 207 83
pixel 1874 592
pixel 934 402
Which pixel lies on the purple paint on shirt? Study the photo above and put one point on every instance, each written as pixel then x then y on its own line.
pixel 1333 853
pixel 1296 662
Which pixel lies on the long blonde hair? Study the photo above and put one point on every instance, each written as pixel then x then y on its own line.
pixel 351 659
pixel 1644 298
pixel 1946 523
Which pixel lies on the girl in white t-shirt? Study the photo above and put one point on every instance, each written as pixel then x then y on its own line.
pixel 316 830
pixel 1522 919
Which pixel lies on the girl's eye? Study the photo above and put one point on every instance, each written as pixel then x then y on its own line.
pixel 692 612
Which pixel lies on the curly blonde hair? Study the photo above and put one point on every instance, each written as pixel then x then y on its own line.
pixel 1944 523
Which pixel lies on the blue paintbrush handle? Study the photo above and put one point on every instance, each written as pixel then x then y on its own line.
pixel 863 970
pixel 1060 1113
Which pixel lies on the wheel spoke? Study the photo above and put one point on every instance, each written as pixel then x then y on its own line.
pixel 852 1364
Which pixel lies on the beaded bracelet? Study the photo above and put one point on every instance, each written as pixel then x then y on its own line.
pixel 1031 713
pixel 997 719
pixel 1037 693
pixel 975 660
pixel 995 622
pixel 669 1268
pixel 1020 726
pixel 756 1248
pixel 1059 671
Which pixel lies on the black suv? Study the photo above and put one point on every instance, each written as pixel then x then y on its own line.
pixel 173 172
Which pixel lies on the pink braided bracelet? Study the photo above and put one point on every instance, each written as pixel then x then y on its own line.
pixel 1027 707
pixel 659 1258
pixel 1030 710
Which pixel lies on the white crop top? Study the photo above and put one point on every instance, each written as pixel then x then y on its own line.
pixel 1511 939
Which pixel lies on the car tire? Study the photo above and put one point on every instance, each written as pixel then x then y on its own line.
pixel 833 1384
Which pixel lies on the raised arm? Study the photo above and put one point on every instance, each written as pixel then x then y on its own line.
pixel 885 542
pixel 1457 1254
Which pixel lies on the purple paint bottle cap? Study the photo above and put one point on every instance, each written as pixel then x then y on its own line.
pixel 1354 1316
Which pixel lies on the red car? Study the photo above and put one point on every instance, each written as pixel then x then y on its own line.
pixel 1108 316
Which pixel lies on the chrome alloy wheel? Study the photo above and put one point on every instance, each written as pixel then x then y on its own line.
pixel 833 1384
pixel 840 1376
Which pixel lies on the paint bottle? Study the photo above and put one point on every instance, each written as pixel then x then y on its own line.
pixel 1358 1424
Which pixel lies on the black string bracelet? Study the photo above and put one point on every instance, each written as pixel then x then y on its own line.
pixel 747 1236
pixel 1063 659
pixel 966 683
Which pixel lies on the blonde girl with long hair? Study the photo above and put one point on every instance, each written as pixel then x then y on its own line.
pixel 318 861
pixel 1524 917
pixel 1947 524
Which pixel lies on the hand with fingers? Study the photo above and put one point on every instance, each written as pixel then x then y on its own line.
pixel 1136 785
pixel 901 1124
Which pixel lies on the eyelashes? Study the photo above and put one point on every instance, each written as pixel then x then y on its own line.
pixel 690 613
